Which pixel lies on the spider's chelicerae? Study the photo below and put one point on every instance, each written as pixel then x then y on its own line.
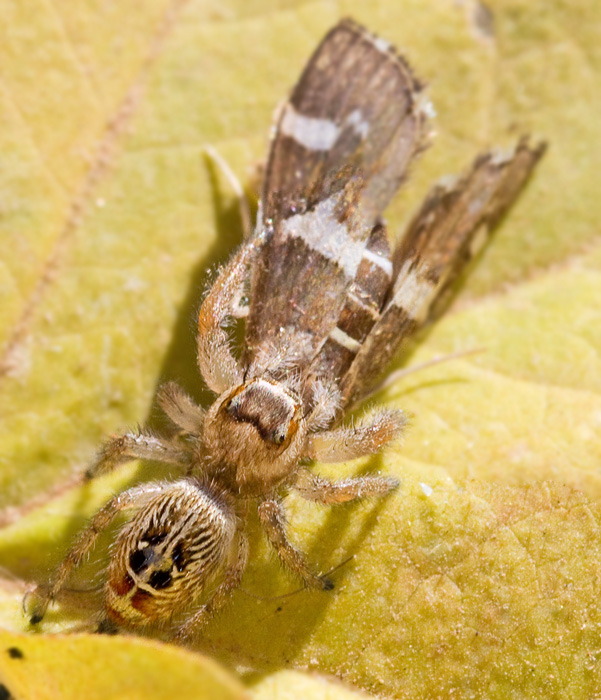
pixel 329 302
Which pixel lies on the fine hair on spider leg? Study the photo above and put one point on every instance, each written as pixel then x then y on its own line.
pixel 296 591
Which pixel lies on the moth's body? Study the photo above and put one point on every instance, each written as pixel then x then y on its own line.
pixel 331 300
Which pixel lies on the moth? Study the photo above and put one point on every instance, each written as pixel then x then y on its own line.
pixel 326 301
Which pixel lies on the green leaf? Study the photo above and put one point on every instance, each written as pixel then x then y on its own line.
pixel 480 576
pixel 96 667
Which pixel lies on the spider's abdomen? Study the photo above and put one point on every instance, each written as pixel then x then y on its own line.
pixel 166 553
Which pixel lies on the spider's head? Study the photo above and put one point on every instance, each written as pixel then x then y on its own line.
pixel 257 429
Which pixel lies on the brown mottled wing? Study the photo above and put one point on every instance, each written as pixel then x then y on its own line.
pixel 342 146
pixel 450 228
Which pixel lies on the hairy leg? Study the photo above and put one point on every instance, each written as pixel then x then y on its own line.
pixel 320 490
pixel 130 446
pixel 326 404
pixel 230 582
pixel 180 408
pixel 366 437
pixel 218 367
pixel 86 540
pixel 272 519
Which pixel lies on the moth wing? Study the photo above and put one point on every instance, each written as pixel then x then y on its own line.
pixel 342 146
pixel 453 224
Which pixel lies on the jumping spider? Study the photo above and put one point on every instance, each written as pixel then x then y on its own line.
pixel 330 303
pixel 246 447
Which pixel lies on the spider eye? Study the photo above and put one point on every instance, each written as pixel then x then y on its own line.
pixel 278 437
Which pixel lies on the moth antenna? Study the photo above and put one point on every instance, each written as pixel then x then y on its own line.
pixel 236 185
pixel 394 377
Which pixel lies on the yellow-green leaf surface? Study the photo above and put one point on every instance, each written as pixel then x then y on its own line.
pixel 293 685
pixel 480 577
pixel 72 668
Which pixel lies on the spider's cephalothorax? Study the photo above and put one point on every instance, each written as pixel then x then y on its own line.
pixel 255 433
pixel 330 301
